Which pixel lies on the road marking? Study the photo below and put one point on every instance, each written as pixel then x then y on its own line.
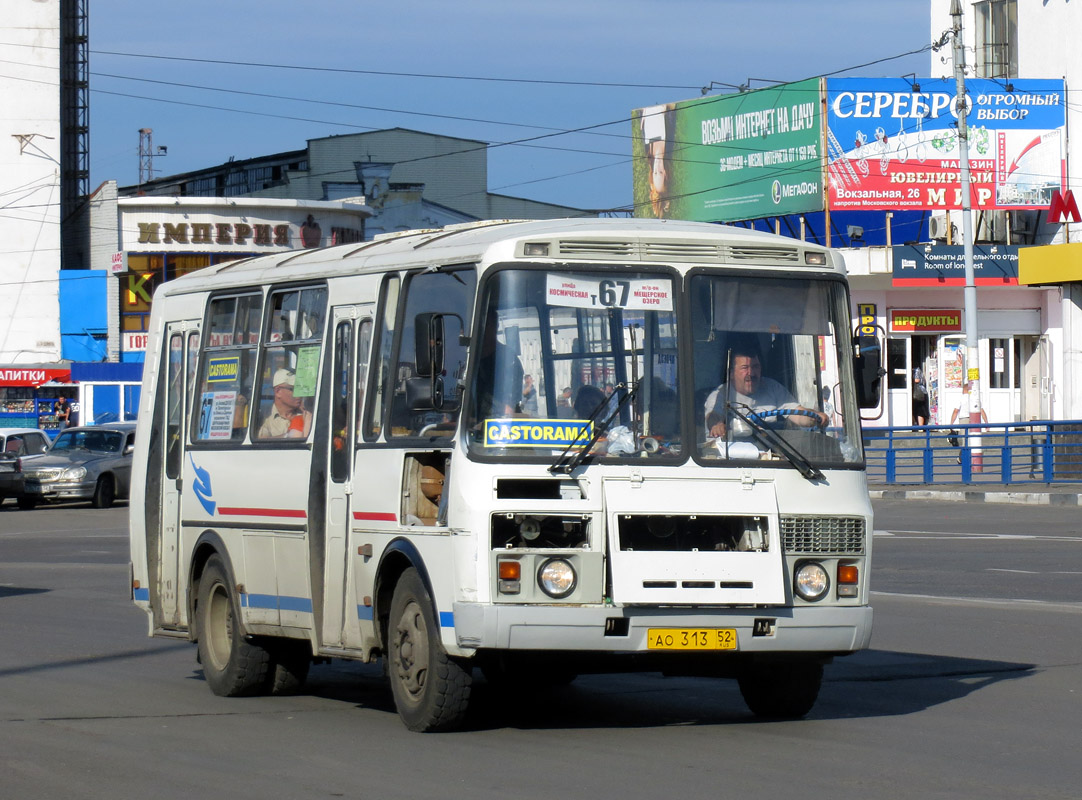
pixel 994 601
pixel 1033 571
pixel 961 535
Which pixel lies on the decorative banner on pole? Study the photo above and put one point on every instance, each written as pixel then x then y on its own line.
pixel 893 144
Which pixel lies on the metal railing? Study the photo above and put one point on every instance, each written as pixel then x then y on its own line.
pixel 1014 452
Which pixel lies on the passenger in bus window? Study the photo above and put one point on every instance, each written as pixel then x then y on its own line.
pixel 749 391
pixel 288 417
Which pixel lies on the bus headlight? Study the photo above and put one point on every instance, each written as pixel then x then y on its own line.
pixel 556 578
pixel 811 581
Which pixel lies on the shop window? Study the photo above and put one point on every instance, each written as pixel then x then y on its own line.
pixel 290 367
pixel 224 389
pixel 999 352
pixel 897 373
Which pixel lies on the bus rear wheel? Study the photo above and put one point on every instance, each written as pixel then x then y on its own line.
pixel 234 665
pixel 783 690
pixel 431 690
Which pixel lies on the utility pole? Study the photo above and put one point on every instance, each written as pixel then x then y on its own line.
pixel 972 350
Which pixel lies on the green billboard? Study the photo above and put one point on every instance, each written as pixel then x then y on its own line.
pixel 730 157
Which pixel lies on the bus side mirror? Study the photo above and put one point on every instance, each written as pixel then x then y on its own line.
pixel 426 391
pixel 868 370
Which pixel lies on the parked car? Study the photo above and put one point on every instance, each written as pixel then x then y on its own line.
pixel 16 443
pixel 88 463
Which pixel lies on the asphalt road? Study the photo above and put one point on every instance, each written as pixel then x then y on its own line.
pixel 972 688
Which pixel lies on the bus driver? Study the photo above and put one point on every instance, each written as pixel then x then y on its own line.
pixel 749 391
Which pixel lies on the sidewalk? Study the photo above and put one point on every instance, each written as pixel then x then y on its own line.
pixel 1048 494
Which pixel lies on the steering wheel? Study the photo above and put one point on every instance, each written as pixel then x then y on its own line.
pixel 788 412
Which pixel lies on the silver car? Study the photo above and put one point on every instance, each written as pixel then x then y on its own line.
pixel 89 463
pixel 16 443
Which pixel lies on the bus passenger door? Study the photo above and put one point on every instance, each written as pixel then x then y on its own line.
pixel 182 341
pixel 351 332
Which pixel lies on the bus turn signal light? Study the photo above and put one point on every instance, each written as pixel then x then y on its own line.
pixel 510 571
pixel 848 577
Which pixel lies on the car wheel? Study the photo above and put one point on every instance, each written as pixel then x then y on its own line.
pixel 104 492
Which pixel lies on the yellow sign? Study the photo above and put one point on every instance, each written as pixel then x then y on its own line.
pixel 974 374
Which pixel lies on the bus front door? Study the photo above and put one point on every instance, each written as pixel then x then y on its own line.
pixel 351 328
pixel 182 341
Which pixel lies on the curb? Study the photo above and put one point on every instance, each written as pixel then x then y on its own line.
pixel 968 496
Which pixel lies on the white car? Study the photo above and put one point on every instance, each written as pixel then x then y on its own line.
pixel 16 443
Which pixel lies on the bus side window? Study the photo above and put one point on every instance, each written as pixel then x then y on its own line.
pixel 174 405
pixel 382 367
pixel 448 294
pixel 290 364
pixel 364 343
pixel 227 368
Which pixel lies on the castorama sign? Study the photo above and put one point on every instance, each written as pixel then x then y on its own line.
pixel 893 143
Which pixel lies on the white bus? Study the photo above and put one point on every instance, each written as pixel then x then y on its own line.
pixel 531 448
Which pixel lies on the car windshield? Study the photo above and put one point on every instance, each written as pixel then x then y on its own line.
pixel 94 441
pixel 772 353
pixel 563 358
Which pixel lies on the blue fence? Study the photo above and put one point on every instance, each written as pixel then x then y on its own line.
pixel 1016 452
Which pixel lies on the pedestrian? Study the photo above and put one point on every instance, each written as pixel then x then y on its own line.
pixel 62 411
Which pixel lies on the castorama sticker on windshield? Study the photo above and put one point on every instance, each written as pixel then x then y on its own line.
pixel 576 291
pixel 537 432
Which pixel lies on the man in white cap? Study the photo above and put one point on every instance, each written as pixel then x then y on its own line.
pixel 288 418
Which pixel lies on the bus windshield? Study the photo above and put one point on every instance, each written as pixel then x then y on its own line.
pixel 567 357
pixel 589 364
pixel 771 370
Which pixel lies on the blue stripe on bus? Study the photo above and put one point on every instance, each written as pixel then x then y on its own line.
pixel 276 602
pixel 447 618
pixel 143 595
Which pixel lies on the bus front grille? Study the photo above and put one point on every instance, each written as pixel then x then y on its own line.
pixel 844 535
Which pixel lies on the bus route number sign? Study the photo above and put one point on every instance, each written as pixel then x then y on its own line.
pixel 579 291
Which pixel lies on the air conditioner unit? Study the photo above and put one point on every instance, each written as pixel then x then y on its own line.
pixel 937 228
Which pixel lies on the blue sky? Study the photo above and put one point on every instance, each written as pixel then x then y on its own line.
pixel 668 49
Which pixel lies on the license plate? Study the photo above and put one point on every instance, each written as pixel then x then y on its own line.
pixel 691 639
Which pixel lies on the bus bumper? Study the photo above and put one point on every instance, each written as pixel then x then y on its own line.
pixel 826 629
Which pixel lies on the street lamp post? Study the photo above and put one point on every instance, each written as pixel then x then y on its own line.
pixel 972 351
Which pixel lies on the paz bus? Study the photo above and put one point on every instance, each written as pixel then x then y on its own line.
pixel 516 451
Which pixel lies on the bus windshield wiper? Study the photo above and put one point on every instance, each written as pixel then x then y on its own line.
pixel 776 444
pixel 573 454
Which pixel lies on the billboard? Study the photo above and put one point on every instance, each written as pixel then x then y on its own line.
pixel 730 157
pixel 893 143
pixel 944 265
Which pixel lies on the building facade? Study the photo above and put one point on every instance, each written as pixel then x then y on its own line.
pixel 30 170
pixel 410 179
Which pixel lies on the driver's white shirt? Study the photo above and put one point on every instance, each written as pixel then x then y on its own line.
pixel 769 395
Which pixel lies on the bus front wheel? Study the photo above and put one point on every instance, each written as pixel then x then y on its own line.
pixel 234 665
pixel 431 689
pixel 783 690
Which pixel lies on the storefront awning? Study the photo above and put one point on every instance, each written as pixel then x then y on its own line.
pixel 1053 263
